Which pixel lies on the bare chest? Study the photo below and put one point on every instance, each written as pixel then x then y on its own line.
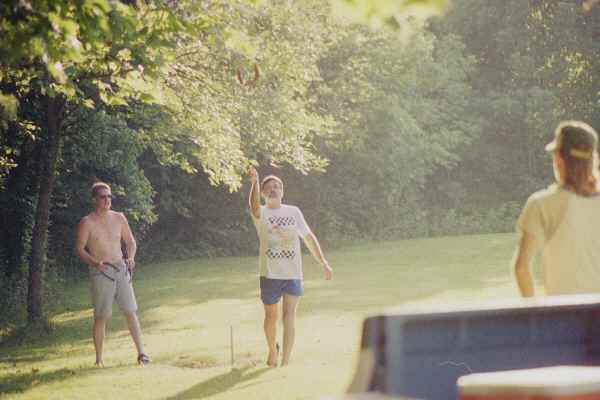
pixel 105 232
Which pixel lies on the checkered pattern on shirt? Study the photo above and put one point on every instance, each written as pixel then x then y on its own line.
pixel 282 221
pixel 273 254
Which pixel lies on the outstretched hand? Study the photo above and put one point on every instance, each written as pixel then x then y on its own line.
pixel 327 271
pixel 253 175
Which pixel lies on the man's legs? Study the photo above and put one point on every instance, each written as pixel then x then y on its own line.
pixel 290 304
pixel 125 297
pixel 136 332
pixel 99 333
pixel 270 326
pixel 103 292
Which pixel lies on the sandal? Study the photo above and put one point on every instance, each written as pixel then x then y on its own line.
pixel 143 359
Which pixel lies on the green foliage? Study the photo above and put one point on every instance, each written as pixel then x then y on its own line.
pixel 393 107
pixel 87 51
pixel 109 52
pixel 534 67
pixel 396 106
pixel 451 221
pixel 12 308
pixel 8 108
pixel 17 206
pixel 391 13
pixel 195 219
pixel 245 92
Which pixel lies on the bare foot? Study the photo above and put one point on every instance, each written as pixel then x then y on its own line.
pixel 99 364
pixel 143 359
pixel 273 356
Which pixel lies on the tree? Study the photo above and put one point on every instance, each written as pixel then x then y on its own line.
pixel 535 64
pixel 60 55
pixel 403 111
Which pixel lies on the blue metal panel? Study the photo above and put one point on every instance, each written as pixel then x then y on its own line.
pixel 422 354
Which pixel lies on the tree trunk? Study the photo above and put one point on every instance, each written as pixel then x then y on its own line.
pixel 47 176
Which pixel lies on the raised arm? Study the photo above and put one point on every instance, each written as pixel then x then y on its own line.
pixel 130 243
pixel 315 249
pixel 82 235
pixel 522 264
pixel 254 198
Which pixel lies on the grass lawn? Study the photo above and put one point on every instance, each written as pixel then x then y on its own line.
pixel 188 308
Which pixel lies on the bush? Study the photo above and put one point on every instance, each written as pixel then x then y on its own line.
pixel 475 221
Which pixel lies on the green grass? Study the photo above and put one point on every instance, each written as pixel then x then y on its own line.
pixel 187 309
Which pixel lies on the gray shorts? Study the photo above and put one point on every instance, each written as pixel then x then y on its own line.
pixel 111 286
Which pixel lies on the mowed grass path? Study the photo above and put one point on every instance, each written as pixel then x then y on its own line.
pixel 188 308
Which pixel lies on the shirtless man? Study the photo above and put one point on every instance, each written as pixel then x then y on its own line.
pixel 98 244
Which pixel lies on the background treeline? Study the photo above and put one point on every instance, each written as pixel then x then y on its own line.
pixel 378 134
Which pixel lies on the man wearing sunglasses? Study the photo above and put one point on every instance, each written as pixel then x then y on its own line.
pixel 98 244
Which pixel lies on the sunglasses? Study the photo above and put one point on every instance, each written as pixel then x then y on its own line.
pixel 105 196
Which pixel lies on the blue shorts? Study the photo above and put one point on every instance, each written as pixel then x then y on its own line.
pixel 271 290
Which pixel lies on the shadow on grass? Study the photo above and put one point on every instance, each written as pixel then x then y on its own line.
pixel 192 281
pixel 14 360
pixel 20 382
pixel 375 274
pixel 219 384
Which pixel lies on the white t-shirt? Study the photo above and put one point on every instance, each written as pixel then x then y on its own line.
pixel 566 227
pixel 279 230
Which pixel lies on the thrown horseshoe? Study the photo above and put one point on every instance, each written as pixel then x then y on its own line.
pixel 249 82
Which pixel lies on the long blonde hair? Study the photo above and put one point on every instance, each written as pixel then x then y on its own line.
pixel 581 175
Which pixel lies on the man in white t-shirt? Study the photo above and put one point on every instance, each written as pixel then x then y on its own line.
pixel 279 227
pixel 563 221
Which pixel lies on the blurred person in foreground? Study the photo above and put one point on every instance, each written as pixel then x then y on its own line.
pixel 279 227
pixel 98 244
pixel 563 221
